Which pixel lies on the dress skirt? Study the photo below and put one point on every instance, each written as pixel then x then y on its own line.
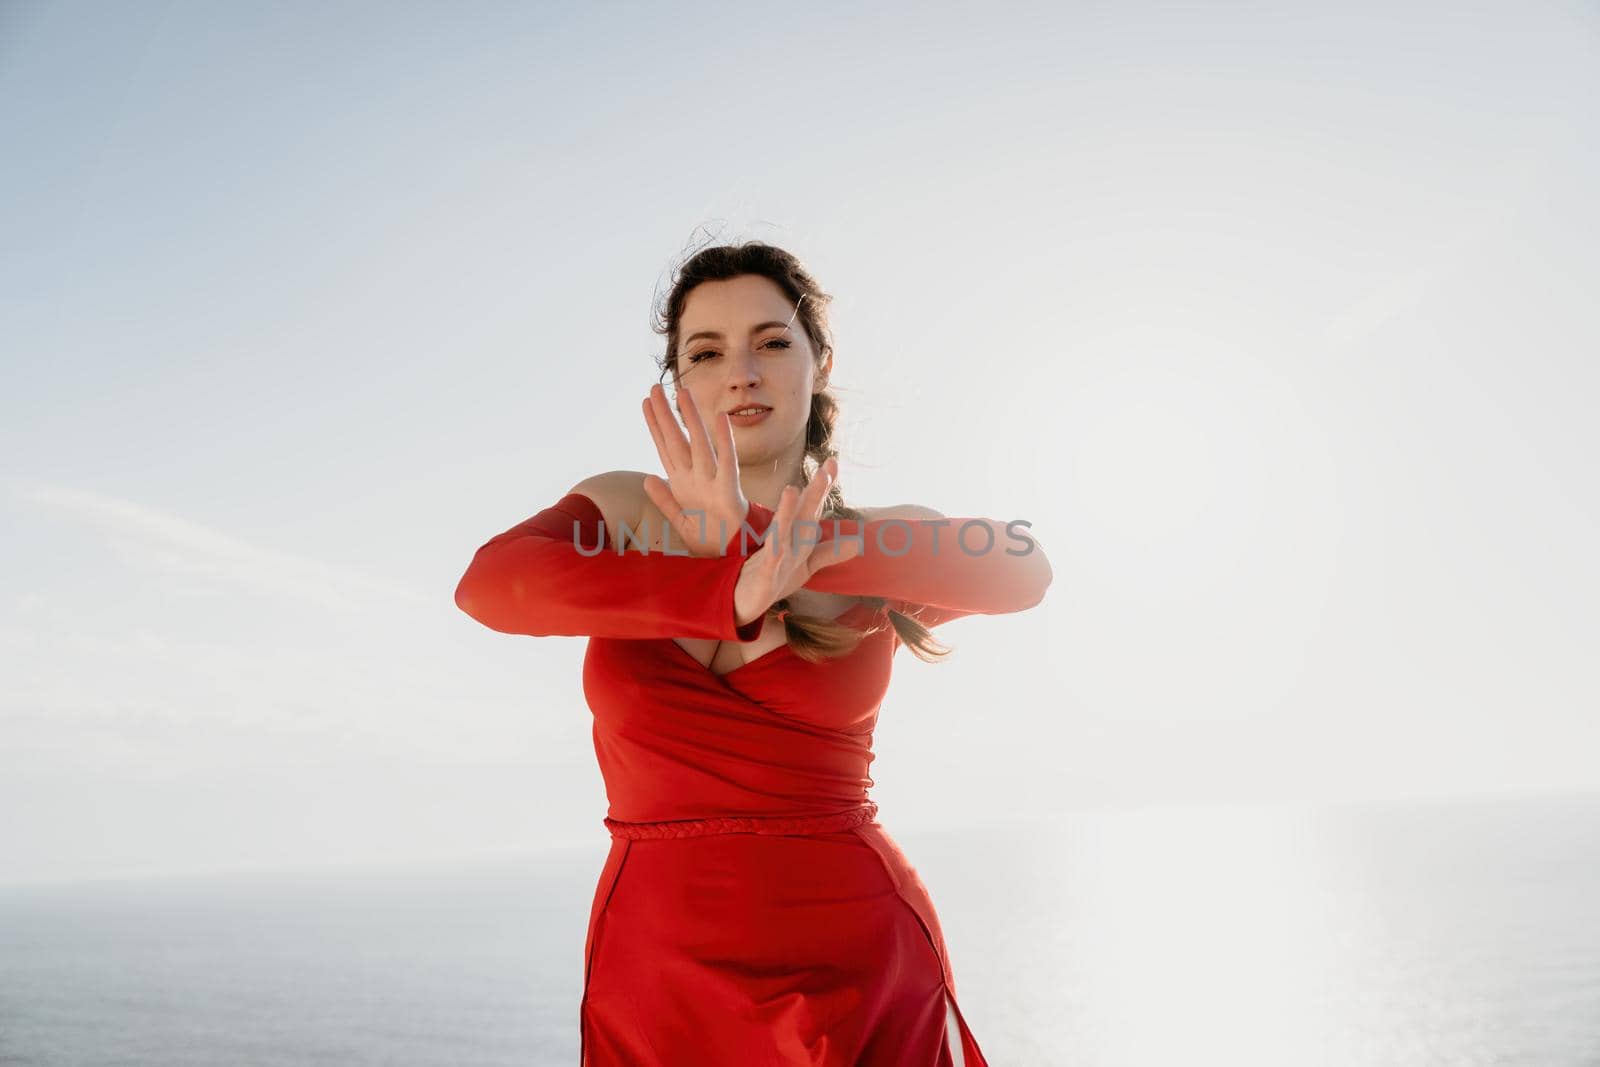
pixel 762 949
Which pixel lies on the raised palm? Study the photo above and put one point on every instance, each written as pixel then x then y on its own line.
pixel 700 498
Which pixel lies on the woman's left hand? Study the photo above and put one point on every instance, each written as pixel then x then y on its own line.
pixel 701 498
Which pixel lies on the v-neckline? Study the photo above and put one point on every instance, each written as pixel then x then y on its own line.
pixel 842 617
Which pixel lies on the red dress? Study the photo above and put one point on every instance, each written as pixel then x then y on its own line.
pixel 752 911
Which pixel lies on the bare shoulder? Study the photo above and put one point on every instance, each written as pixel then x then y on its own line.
pixel 900 511
pixel 619 495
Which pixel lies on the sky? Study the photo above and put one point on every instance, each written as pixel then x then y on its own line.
pixel 1275 321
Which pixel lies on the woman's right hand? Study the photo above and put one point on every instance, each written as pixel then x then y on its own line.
pixel 781 565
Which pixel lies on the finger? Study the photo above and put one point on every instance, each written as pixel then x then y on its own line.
pixel 679 456
pixel 821 481
pixel 658 433
pixel 661 495
pixel 705 458
pixel 817 489
pixel 727 456
pixel 655 435
pixel 783 520
pixel 816 502
pixel 808 494
pixel 825 476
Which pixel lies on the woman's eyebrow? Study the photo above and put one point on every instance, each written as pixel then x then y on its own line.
pixel 714 335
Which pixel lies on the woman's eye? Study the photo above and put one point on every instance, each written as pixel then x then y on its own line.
pixel 708 353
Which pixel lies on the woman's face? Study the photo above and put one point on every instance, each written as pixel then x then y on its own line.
pixel 734 351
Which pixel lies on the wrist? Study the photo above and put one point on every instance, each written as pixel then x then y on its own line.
pixel 748 602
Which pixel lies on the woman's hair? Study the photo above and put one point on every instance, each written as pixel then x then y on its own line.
pixel 812 637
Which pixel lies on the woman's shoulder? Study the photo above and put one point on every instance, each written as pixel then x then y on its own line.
pixel 619 495
pixel 900 511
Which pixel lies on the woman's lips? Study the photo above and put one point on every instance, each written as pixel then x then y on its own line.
pixel 749 420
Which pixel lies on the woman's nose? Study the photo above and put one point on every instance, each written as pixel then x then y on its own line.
pixel 745 368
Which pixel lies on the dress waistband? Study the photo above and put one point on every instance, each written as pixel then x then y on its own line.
pixel 744 824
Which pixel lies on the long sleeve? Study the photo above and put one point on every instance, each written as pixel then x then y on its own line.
pixel 533 579
pixel 938 569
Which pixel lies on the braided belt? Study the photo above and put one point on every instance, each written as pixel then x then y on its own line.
pixel 744 824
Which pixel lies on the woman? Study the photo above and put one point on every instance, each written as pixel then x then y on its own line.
pixel 742 620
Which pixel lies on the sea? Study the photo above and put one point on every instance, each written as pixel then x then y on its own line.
pixel 1427 934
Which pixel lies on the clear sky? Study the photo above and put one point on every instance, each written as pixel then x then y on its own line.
pixel 1275 321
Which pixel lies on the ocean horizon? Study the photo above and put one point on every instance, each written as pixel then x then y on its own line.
pixel 1457 933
